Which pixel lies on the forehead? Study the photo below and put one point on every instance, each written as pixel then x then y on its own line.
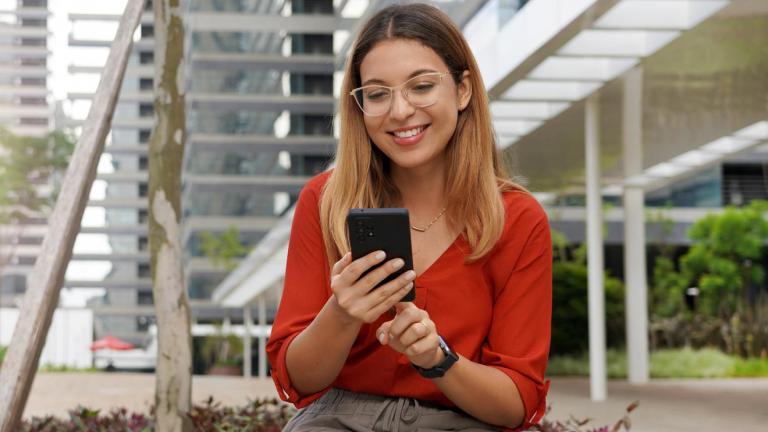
pixel 393 60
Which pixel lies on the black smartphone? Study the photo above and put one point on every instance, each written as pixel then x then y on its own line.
pixel 387 229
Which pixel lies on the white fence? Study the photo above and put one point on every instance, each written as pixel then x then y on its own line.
pixel 69 337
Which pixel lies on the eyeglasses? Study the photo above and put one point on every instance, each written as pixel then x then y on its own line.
pixel 420 91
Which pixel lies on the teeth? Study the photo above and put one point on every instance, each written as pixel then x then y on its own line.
pixel 409 133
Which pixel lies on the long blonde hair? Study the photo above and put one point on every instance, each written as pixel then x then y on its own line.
pixel 475 175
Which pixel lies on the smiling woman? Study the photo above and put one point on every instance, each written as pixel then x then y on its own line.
pixel 471 350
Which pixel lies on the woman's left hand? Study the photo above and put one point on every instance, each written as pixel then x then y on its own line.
pixel 413 334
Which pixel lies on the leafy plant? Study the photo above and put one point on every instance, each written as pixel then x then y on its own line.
pixel 83 419
pixel 222 350
pixel 570 319
pixel 668 363
pixel 725 256
pixel 574 424
pixel 266 415
pixel 27 164
pixel 223 249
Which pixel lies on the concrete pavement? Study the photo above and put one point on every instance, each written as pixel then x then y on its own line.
pixel 665 405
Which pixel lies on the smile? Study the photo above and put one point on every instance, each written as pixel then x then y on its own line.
pixel 410 132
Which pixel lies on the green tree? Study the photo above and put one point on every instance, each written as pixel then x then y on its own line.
pixel 724 262
pixel 570 317
pixel 28 165
pixel 725 258
pixel 223 250
pixel 668 283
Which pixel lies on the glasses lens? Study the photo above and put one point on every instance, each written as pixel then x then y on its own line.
pixel 422 90
pixel 373 100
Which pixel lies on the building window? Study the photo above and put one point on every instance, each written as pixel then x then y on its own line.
pixel 144 271
pixel 147 31
pixel 146 57
pixel 144 136
pixel 146 110
pixel 144 298
pixel 143 216
pixel 143 189
pixel 143 163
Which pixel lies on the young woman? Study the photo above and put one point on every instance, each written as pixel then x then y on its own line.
pixel 471 351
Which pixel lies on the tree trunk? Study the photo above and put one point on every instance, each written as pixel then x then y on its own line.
pixel 173 385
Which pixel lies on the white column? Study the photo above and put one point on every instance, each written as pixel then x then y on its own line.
pixel 247 325
pixel 636 298
pixel 262 339
pixel 596 293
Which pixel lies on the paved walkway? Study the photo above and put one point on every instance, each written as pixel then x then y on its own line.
pixel 665 405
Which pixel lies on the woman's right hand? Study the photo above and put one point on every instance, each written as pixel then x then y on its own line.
pixel 354 295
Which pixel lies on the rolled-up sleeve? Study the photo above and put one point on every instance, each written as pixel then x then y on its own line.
pixel 519 338
pixel 305 291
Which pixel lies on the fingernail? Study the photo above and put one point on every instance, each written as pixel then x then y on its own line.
pixel 381 338
pixel 410 275
pixel 398 263
pixel 380 255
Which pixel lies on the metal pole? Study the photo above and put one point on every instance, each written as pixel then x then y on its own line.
pixel 247 325
pixel 262 339
pixel 636 299
pixel 596 295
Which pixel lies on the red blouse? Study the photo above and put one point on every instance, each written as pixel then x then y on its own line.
pixel 495 311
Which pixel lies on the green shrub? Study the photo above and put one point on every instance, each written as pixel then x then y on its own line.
pixel 689 363
pixel 268 415
pixel 673 363
pixel 569 365
pixel 2 354
pixel 570 320
pixel 752 367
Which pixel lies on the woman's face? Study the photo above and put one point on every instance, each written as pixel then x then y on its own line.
pixel 409 135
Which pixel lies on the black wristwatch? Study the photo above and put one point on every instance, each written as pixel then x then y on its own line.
pixel 441 368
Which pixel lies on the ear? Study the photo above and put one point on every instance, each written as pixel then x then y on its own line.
pixel 464 91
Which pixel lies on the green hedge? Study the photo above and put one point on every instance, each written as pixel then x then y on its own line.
pixel 677 363
pixel 570 321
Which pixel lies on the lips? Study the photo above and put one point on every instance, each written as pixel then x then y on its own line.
pixel 409 135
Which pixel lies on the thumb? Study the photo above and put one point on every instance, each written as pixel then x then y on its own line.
pixel 401 306
pixel 339 266
pixel 382 334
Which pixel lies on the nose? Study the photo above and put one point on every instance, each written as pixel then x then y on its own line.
pixel 401 109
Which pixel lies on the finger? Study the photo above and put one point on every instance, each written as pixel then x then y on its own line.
pixel 415 332
pixel 423 346
pixel 339 265
pixel 385 305
pixel 407 315
pixel 384 292
pixel 372 279
pixel 356 268
pixel 382 334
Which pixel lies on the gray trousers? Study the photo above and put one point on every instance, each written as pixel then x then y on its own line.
pixel 342 410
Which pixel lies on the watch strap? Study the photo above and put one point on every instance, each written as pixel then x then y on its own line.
pixel 441 368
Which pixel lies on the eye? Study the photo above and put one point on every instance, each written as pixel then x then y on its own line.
pixel 422 87
pixel 376 95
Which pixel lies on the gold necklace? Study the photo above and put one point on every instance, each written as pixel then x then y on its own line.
pixel 429 224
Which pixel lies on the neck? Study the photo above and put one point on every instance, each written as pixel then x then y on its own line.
pixel 422 188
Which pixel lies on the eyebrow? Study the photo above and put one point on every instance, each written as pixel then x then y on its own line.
pixel 413 74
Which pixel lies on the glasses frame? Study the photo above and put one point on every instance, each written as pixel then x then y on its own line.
pixel 402 89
